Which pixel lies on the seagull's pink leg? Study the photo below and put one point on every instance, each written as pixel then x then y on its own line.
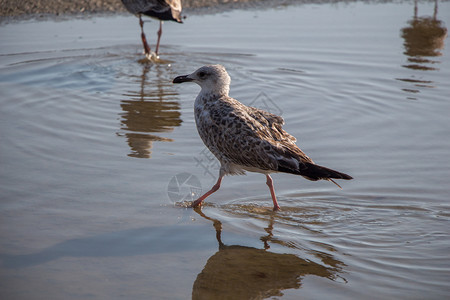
pixel 159 36
pixel 269 183
pixel 214 189
pixel 144 39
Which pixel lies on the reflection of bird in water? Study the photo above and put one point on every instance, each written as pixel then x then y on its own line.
pixel 151 110
pixel 424 37
pixel 239 272
pixel 245 138
pixel 164 10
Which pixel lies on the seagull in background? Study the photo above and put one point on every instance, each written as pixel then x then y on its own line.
pixel 162 10
pixel 245 138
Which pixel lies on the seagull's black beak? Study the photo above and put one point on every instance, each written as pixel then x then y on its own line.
pixel 181 79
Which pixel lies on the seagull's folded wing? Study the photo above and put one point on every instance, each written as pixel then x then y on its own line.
pixel 254 138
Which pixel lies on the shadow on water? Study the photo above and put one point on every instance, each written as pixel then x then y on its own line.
pixel 423 38
pixel 152 108
pixel 241 272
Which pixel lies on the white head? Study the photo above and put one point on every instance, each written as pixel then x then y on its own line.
pixel 213 79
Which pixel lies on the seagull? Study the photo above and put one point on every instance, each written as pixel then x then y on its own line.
pixel 245 138
pixel 163 10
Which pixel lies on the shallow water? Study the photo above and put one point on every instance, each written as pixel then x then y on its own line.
pixel 98 149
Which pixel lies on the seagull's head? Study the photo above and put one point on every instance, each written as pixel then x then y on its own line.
pixel 212 79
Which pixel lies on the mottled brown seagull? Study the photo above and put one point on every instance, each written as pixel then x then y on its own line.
pixel 163 10
pixel 245 138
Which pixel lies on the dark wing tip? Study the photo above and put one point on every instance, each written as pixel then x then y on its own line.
pixel 345 176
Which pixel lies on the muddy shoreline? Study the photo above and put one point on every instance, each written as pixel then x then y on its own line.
pixel 36 9
pixel 17 8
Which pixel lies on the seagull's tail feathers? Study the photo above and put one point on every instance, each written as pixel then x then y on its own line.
pixel 315 172
pixel 312 171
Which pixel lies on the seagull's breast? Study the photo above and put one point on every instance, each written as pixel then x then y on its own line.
pixel 211 121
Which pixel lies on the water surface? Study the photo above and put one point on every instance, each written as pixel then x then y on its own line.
pixel 96 148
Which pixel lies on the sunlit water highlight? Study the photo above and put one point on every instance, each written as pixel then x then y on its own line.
pixel 96 147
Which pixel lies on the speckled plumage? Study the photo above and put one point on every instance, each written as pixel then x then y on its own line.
pixel 245 138
pixel 241 137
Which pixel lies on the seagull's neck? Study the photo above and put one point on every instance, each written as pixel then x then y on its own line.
pixel 215 92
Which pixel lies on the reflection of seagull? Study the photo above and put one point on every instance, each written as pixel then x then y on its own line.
pixel 152 109
pixel 424 36
pixel 163 10
pixel 245 138
pixel 253 273
pixel 423 39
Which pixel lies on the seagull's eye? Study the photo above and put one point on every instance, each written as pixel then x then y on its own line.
pixel 202 74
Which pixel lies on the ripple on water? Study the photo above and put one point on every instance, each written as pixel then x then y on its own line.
pixel 351 234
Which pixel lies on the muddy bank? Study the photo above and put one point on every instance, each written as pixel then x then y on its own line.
pixel 16 8
pixel 19 9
